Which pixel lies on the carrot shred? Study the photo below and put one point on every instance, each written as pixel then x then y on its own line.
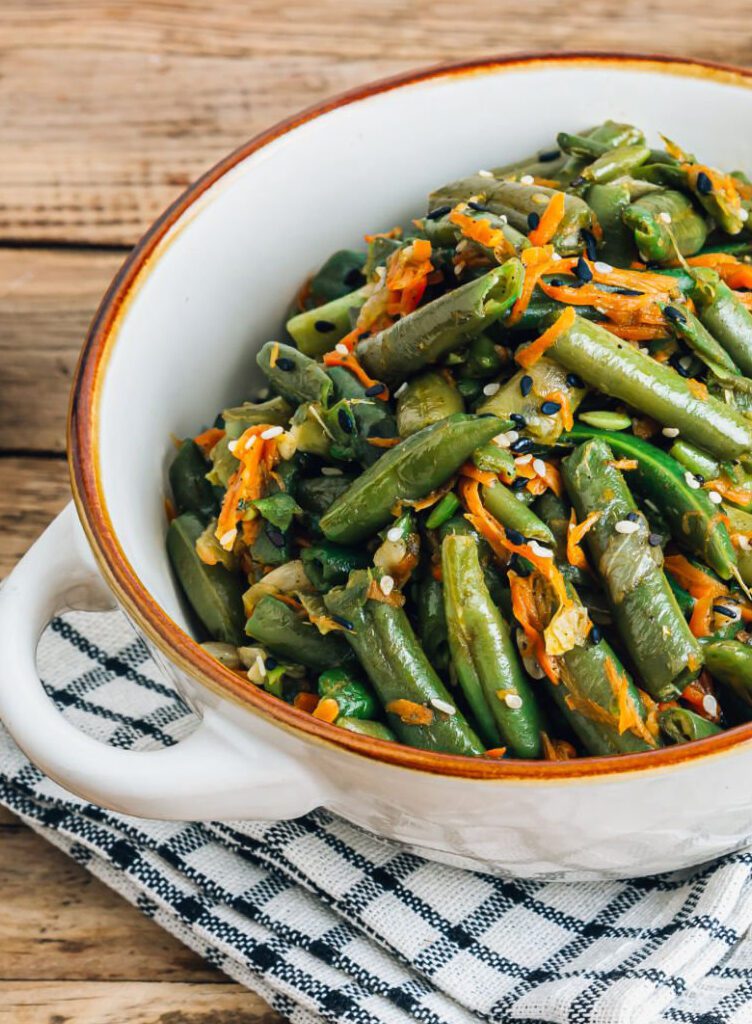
pixel 525 612
pixel 383 442
pixel 550 220
pixel 567 418
pixel 256 459
pixel 479 231
pixel 436 572
pixel 698 583
pixel 409 712
pixel 624 464
pixel 699 623
pixel 495 752
pixel 274 355
pixel 407 275
pixel 547 183
pixel 488 479
pixel 575 534
pixel 326 710
pixel 698 389
pixel 530 355
pixel 737 277
pixel 737 495
pixel 636 332
pixel 629 717
pixel 305 701
pixel 170 510
pixel 395 232
pixel 711 259
pixel 556 750
pixel 209 439
pixel 723 184
pixel 350 362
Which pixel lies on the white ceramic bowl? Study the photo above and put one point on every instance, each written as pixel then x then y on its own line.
pixel 175 340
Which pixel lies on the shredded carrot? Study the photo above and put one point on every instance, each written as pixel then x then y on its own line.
pixel 383 442
pixel 433 497
pixel 575 534
pixel 637 332
pixel 488 479
pixel 737 495
pixel 274 355
pixel 567 419
pixel 409 712
pixel 327 710
pixel 711 259
pixel 395 232
pixel 170 510
pixel 530 355
pixel 306 701
pixel 350 363
pixel 479 230
pixel 407 275
pixel 629 717
pixel 699 623
pixel 537 260
pixel 550 220
pixel 436 572
pixel 525 612
pixel 209 439
pixel 745 298
pixel 257 458
pixel 695 693
pixel 546 183
pixel 737 277
pixel 496 752
pixel 556 750
pixel 539 483
pixel 624 464
pixel 698 389
pixel 694 580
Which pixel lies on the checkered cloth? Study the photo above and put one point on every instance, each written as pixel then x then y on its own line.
pixel 328 923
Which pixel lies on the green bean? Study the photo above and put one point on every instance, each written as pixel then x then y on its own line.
pixel 730 663
pixel 328 564
pixel 683 598
pixel 372 415
pixel 594 142
pixel 604 419
pixel 542 310
pixel 431 622
pixel 337 277
pixel 374 730
pixel 482 359
pixel 279 628
pixel 548 379
pixel 624 372
pixel 428 398
pixel 615 162
pixel 293 374
pixel 442 231
pixel 727 214
pixel 689 513
pixel 741 522
pixel 658 239
pixel 394 661
pixel 190 488
pixel 214 593
pixel 317 493
pixel 354 698
pixel 483 655
pixel 663 650
pixel 276 411
pixel 608 203
pixel 491 458
pixel 682 726
pixel 318 330
pixel 695 460
pixel 725 317
pixel 684 325
pixel 503 505
pixel 407 472
pixel 445 325
pixel 443 511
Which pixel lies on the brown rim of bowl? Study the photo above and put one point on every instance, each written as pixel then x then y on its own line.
pixel 160 628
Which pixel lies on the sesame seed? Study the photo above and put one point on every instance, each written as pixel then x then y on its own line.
pixel 439 212
pixel 743 215
pixel 394 534
pixel 522 445
pixel 664 218
pixel 523 460
pixel 491 389
pixel 555 257
pixel 232 445
pixel 710 705
pixel 583 271
pixel 400 390
pixel 331 471
pixel 633 517
pixel 503 220
pixel 549 156
pixel 573 381
pixel 526 385
pixel 342 349
pixel 519 495
pixel 228 539
pixel 527 179
pixel 375 389
pixel 325 326
pixel 485 174
pixel 685 362
pixel 518 418
pixel 459 267
pixel 626 526
pixel 345 623
pixel 704 184
pixel 386 585
pixel 670 431
pixel 721 609
pixel 595 635
pixel 511 436
pixel 250 442
pixel 602 268
pixel 539 466
pixel 692 481
pixel 550 408
pixel 463 245
pixel 260 666
pixel 591 245
pixel 654 540
pixel 513 701
pixel 345 421
pixel 715 497
pixel 533 220
pixel 271 432
pixel 501 440
pixel 540 551
pixel 672 313
pixel 478 207
pixel 514 536
pixel 744 543
pixel 442 705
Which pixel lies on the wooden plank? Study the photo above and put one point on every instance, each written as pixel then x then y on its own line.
pixel 110 108
pixel 131 1003
pixel 8 820
pixel 32 492
pixel 47 299
pixel 58 921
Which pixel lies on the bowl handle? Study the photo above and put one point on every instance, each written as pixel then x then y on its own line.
pixel 217 772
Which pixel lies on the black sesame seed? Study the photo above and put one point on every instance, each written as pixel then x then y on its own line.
pixel 704 184
pixel 654 540
pixel 672 313
pixel 374 389
pixel 285 364
pixel 479 207
pixel 700 479
pixel 550 408
pixel 583 271
pixel 518 419
pixel 343 622
pixel 522 445
pixel 626 291
pixel 555 283
pixel 633 517
pixel 676 362
pixel 439 212
pixel 363 335
pixel 591 246
pixel 721 609
pixel 519 483
pixel 271 663
pixel 595 635
pixel 549 156
pixel 520 566
pixel 526 385
pixel 345 421
pixel 533 220
pixel 573 381
pixel 514 536
pixel 325 326
pixel 579 180
pixel 275 536
pixel 353 278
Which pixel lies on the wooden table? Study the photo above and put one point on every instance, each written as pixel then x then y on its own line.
pixel 107 109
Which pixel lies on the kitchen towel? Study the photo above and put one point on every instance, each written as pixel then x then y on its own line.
pixel 329 923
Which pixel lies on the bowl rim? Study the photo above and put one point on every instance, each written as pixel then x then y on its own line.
pixel 156 624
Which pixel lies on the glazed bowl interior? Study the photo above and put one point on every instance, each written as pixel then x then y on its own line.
pixel 218 283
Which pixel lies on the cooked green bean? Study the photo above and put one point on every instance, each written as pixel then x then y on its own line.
pixel 428 398
pixel 318 330
pixel 190 488
pixel 287 635
pixel 681 725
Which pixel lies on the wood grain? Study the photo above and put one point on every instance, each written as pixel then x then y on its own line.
pixel 32 492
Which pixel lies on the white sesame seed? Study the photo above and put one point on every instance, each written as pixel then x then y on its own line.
pixel 458 268
pixel 710 705
pixel 228 539
pixel 491 389
pixel 519 495
pixel 539 466
pixel 527 179
pixel 250 442
pixel 512 436
pixel 685 362
pixel 692 481
pixel 744 543
pixel 331 471
pixel 715 497
pixel 272 432
pixel 664 218
pixel 501 440
pixel 261 667
pixel 394 534
pixel 485 174
pixel 743 215
pixel 463 245
pixel 502 219
pixel 513 701
pixel 342 349
pixel 523 460
pixel 602 268
pixel 442 705
pixel 670 431
pixel 401 390
pixel 231 446
pixel 626 526
pixel 539 550
pixel 555 257
pixel 386 583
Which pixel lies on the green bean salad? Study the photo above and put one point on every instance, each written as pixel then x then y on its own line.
pixel 496 499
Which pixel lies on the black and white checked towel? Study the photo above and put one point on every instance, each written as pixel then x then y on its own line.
pixel 328 923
